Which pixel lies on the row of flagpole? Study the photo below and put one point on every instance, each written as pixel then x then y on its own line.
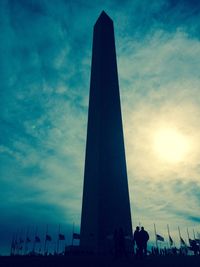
pixel 17 241
pixel 158 237
pixel 16 244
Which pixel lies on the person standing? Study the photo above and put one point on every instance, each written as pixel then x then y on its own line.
pixel 143 239
pixel 136 240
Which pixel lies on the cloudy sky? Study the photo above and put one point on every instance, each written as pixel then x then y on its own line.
pixel 45 58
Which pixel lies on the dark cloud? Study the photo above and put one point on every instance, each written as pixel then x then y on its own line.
pixel 181 14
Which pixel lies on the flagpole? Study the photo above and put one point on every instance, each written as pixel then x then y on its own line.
pixel 73 235
pixel 20 241
pixel 34 241
pixel 25 241
pixel 16 244
pixel 169 235
pixel 155 235
pixel 65 244
pixel 12 242
pixel 58 238
pixel 20 233
pixel 17 249
pixel 179 234
pixel 188 236
pixel 20 249
pixel 45 242
pixel 194 234
pixel 55 248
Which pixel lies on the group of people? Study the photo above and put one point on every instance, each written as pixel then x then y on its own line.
pixel 140 239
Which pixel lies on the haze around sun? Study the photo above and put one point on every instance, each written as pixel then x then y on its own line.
pixel 170 145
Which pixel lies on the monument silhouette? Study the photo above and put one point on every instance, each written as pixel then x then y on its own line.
pixel 105 203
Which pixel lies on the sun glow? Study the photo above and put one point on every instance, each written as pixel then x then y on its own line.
pixel 170 145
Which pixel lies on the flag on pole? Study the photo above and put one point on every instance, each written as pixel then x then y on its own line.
pixel 37 239
pixel 48 238
pixel 160 238
pixel 61 237
pixel 182 241
pixel 76 236
pixel 170 240
pixel 190 241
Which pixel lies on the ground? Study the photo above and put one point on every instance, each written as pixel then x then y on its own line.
pixel 92 261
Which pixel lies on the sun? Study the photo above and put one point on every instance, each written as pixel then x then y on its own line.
pixel 170 145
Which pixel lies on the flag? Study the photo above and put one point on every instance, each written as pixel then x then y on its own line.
pixel 76 236
pixel 37 239
pixel 191 241
pixel 28 240
pixel 61 237
pixel 48 238
pixel 170 240
pixel 182 241
pixel 160 238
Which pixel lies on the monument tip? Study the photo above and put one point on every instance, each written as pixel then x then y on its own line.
pixel 103 17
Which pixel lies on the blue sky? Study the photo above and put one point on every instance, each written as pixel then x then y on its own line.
pixel 45 57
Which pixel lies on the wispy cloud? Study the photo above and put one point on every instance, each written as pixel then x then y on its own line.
pixel 160 89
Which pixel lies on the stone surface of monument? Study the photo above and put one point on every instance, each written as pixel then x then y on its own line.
pixel 105 204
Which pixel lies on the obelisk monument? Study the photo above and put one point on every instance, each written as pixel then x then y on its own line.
pixel 105 204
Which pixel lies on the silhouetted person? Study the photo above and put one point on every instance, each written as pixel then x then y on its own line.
pixel 136 240
pixel 143 239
